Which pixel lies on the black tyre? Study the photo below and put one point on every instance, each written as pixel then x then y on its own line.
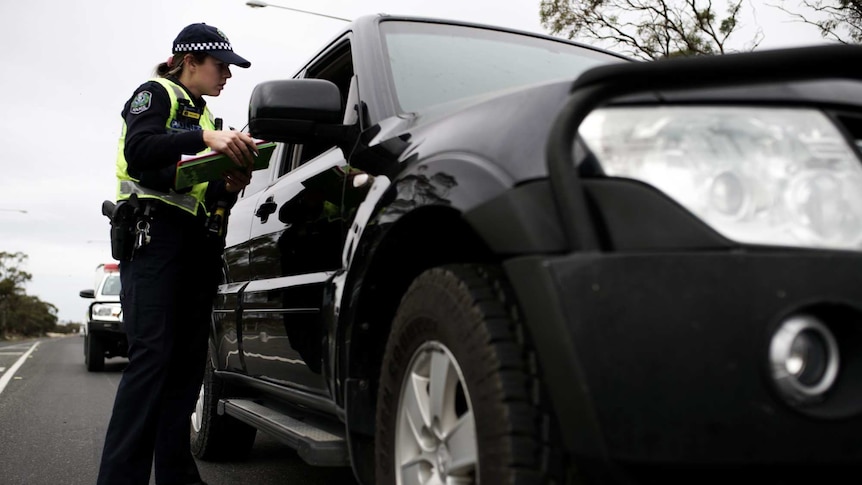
pixel 94 352
pixel 459 394
pixel 217 437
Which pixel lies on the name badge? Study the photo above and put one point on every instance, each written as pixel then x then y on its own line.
pixel 188 113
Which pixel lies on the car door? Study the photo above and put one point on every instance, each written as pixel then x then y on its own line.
pixel 236 258
pixel 297 238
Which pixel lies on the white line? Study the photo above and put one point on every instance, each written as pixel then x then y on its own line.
pixel 11 353
pixel 2 369
pixel 8 375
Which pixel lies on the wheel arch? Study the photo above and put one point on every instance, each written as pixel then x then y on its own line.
pixel 424 238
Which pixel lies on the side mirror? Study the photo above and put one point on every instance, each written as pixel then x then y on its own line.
pixel 296 111
pixel 87 294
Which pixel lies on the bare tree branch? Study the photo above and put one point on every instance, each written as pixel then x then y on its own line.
pixel 838 20
pixel 647 29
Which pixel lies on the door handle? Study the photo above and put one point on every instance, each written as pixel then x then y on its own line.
pixel 266 209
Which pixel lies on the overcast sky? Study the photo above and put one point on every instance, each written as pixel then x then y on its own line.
pixel 70 66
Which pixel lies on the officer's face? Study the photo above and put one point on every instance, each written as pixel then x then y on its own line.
pixel 211 76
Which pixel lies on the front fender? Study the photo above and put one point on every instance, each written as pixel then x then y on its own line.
pixel 457 180
pixel 403 226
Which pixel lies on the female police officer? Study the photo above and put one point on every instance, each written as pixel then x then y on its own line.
pixel 169 283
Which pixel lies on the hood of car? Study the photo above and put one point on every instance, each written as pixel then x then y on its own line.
pixel 510 128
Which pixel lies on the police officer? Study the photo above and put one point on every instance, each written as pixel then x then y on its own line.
pixel 170 278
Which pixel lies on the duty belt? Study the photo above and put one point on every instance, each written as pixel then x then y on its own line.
pixel 185 201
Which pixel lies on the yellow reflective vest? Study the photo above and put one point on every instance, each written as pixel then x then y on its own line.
pixel 128 185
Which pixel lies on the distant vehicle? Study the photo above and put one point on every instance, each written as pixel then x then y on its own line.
pixel 104 334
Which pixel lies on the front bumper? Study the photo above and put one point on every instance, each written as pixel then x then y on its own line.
pixel 660 361
pixel 104 326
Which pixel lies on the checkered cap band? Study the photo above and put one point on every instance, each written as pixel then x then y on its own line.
pixel 203 46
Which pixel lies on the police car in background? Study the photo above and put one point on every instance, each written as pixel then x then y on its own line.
pixel 104 335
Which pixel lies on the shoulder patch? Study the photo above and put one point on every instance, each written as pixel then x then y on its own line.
pixel 141 102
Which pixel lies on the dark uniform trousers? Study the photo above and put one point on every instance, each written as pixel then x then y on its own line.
pixel 167 296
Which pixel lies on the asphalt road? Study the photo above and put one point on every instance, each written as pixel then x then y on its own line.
pixel 53 417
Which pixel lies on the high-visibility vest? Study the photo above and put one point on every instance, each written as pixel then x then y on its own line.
pixel 128 185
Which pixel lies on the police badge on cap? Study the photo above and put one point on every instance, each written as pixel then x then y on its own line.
pixel 206 38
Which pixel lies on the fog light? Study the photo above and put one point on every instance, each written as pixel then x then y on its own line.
pixel 804 358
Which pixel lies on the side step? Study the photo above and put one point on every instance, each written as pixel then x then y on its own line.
pixel 317 442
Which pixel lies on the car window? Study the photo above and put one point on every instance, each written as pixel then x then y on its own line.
pixel 335 66
pixel 111 286
pixel 436 63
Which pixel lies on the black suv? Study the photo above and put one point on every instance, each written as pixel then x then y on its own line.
pixel 488 256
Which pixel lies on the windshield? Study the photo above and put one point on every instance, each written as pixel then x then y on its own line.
pixel 111 287
pixel 436 63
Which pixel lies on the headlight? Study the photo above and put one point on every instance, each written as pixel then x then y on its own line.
pixel 106 311
pixel 772 176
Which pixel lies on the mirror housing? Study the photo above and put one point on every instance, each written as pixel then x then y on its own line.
pixel 87 294
pixel 296 111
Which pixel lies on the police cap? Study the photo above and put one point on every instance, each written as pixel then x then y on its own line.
pixel 206 38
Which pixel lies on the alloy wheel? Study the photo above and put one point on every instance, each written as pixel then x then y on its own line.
pixel 435 429
pixel 198 413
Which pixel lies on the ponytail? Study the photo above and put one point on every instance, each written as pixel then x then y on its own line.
pixel 174 65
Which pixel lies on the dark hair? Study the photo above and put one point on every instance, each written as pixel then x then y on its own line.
pixel 176 67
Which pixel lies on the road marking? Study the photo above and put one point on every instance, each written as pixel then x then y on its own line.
pixel 8 375
pixel 2 369
pixel 11 353
pixel 16 346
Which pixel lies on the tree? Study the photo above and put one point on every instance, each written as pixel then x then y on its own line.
pixel 839 20
pixel 648 29
pixel 10 273
pixel 12 280
pixel 32 316
pixel 20 313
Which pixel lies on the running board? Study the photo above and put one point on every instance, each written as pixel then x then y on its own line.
pixel 316 442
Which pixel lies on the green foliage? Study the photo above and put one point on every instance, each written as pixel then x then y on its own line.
pixel 729 23
pixel 30 316
pixel 21 314
pixel 10 273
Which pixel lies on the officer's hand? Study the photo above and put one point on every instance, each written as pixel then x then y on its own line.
pixel 237 145
pixel 236 180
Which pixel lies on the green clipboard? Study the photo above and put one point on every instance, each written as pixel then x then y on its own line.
pixel 211 165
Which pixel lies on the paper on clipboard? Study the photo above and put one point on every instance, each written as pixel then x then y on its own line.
pixel 211 165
